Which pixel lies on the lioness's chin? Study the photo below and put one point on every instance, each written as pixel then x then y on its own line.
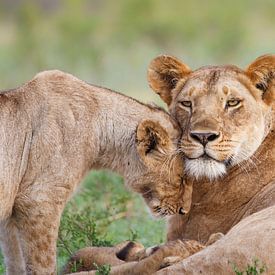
pixel 209 168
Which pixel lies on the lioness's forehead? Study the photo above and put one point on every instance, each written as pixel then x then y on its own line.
pixel 214 80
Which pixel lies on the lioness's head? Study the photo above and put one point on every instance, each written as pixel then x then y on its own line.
pixel 224 111
pixel 161 182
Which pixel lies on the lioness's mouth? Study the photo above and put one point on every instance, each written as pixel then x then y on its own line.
pixel 205 156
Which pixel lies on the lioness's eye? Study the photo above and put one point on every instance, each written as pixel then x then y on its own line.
pixel 186 103
pixel 233 102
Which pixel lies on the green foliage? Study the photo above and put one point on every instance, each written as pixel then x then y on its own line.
pixel 106 42
pixel 75 266
pixel 78 230
pixel 134 235
pixel 251 269
pixel 103 269
pixel 2 267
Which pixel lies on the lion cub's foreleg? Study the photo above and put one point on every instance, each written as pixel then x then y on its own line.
pixel 124 260
pixel 38 221
pixel 178 250
pixel 145 266
pixel 150 260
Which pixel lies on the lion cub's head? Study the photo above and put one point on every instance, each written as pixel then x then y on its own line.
pixel 161 181
pixel 225 112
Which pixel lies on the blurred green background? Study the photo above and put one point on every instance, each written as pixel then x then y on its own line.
pixel 110 43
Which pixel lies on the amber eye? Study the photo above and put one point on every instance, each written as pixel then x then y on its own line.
pixel 186 103
pixel 233 102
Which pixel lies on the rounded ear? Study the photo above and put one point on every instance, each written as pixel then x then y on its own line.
pixel 151 138
pixel 164 73
pixel 262 74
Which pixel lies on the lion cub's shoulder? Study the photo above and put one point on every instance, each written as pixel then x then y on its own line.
pixel 54 75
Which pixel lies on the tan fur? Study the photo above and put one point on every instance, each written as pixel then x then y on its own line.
pixel 241 171
pixel 54 129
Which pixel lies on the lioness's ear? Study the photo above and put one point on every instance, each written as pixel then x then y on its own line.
pixel 262 74
pixel 164 72
pixel 151 138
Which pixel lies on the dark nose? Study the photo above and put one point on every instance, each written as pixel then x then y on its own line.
pixel 181 211
pixel 204 138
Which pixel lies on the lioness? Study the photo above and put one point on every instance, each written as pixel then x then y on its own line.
pixel 227 118
pixel 54 129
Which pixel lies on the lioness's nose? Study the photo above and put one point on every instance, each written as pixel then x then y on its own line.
pixel 204 138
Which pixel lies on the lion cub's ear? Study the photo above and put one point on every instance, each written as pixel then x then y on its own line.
pixel 151 139
pixel 164 72
pixel 262 74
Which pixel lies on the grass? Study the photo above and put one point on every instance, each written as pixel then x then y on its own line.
pixel 255 268
pixel 103 270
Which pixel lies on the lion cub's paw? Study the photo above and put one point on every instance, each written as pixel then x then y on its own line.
pixel 170 261
pixel 179 250
pixel 130 251
pixel 214 237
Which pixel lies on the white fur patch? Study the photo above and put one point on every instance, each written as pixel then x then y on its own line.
pixel 200 168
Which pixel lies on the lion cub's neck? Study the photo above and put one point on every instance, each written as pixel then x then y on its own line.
pixel 118 119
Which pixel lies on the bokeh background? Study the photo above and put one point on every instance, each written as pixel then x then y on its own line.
pixel 110 43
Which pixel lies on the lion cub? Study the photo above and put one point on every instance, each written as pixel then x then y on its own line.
pixel 56 128
pixel 132 258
